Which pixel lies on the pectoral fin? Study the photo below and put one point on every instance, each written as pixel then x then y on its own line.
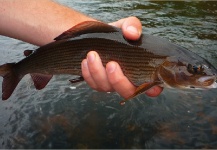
pixel 140 89
pixel 78 79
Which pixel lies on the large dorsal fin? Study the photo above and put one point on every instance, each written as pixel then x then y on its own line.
pixel 87 27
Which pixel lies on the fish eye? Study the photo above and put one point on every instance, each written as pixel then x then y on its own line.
pixel 195 69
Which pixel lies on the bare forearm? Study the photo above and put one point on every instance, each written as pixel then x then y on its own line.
pixel 40 21
pixel 36 21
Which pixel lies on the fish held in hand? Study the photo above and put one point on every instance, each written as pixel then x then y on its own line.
pixel 151 60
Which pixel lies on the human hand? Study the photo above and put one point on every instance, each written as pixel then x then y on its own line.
pixel 112 78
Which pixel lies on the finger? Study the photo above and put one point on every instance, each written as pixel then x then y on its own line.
pixel 131 27
pixel 86 75
pixel 155 91
pixel 97 72
pixel 122 85
pixel 118 80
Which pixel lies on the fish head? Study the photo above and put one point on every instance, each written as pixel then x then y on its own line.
pixel 192 74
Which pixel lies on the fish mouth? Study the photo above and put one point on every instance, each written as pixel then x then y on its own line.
pixel 208 81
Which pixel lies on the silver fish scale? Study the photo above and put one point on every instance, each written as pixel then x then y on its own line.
pixel 64 57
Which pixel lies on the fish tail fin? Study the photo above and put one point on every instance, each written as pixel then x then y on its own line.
pixel 10 80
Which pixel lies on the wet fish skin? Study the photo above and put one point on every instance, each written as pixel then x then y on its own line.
pixel 150 59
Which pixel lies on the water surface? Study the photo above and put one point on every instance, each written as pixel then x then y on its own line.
pixel 62 117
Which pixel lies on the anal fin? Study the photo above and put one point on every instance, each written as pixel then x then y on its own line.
pixel 40 80
pixel 140 89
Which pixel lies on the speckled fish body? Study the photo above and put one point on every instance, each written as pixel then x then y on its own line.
pixel 150 59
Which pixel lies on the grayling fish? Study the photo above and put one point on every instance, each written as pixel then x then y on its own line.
pixel 150 59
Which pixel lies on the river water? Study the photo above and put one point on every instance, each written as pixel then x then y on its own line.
pixel 62 116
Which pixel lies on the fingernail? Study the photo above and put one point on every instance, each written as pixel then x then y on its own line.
pixel 111 68
pixel 84 64
pixel 91 57
pixel 132 30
